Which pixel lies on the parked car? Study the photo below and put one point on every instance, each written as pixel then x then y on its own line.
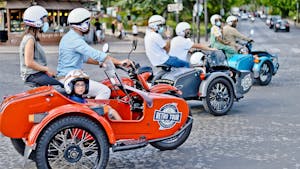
pixel 268 20
pixel 263 16
pixel 273 20
pixel 244 16
pixel 282 25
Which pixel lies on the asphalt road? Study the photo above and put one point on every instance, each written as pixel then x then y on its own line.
pixel 260 132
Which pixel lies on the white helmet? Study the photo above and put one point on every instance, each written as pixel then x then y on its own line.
pixel 213 19
pixel 156 20
pixel 72 77
pixel 230 19
pixel 33 16
pixel 80 19
pixel 181 27
pixel 197 59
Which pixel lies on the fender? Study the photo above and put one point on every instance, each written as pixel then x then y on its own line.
pixel 164 88
pixel 261 53
pixel 257 66
pixel 68 109
pixel 205 83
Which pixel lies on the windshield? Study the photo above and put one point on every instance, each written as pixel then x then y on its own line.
pixel 217 58
pixel 110 71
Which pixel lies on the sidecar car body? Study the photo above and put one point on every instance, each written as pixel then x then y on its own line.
pixel 55 128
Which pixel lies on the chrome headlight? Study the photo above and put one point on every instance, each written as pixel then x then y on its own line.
pixel 246 82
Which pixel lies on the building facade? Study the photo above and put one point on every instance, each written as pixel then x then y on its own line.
pixel 11 23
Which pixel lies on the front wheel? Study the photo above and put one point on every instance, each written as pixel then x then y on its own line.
pixel 176 141
pixel 219 97
pixel 265 74
pixel 72 142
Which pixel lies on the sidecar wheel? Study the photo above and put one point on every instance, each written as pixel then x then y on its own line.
pixel 265 74
pixel 173 142
pixel 219 97
pixel 72 142
pixel 19 145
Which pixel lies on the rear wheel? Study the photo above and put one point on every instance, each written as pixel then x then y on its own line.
pixel 72 142
pixel 219 97
pixel 265 74
pixel 174 142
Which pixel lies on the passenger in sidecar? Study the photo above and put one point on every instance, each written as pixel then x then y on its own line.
pixel 77 84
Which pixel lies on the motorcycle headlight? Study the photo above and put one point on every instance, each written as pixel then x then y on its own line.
pixel 274 60
pixel 246 82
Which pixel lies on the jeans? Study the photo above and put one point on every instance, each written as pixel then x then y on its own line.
pixel 42 79
pixel 175 62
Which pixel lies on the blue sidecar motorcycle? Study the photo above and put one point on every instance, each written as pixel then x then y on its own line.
pixel 263 66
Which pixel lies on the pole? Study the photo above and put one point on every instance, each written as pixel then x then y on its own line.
pixel 198 22
pixel 177 16
pixel 297 11
pixel 222 8
pixel 206 20
pixel 99 5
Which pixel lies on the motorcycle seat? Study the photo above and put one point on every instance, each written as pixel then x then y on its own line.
pixel 164 67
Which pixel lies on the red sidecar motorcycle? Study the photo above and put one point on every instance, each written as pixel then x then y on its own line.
pixel 56 132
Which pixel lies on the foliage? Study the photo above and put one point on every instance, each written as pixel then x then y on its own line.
pixel 141 10
pixel 281 6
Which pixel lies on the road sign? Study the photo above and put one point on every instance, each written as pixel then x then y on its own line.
pixel 175 7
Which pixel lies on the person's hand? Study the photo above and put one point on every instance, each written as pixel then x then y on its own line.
pixel 50 73
pixel 168 33
pixel 126 62
pixel 226 43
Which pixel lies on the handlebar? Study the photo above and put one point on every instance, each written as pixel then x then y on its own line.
pixel 127 68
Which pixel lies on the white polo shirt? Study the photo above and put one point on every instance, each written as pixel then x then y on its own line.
pixel 154 46
pixel 180 47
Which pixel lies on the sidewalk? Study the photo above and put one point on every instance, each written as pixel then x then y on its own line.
pixel 115 46
pixel 292 23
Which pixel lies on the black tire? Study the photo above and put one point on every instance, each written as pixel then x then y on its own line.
pixel 226 92
pixel 174 142
pixel 19 145
pixel 265 74
pixel 72 141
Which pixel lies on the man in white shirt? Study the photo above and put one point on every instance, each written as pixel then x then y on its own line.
pixel 181 44
pixel 135 30
pixel 156 47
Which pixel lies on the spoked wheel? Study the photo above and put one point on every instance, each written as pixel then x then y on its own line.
pixel 72 142
pixel 19 145
pixel 265 74
pixel 174 142
pixel 219 97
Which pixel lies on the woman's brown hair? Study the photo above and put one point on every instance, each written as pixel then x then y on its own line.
pixel 33 31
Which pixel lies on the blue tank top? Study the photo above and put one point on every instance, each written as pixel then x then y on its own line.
pixel 77 99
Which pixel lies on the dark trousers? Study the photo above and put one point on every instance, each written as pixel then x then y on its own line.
pixel 42 79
